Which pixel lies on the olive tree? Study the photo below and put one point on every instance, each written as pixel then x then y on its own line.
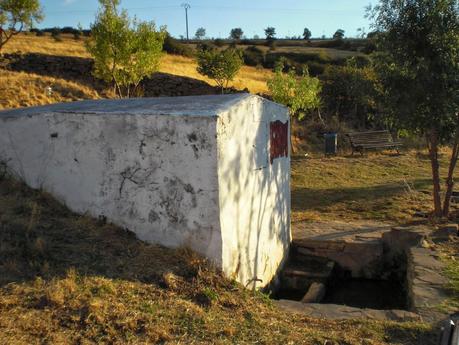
pixel 419 68
pixel 236 34
pixel 125 50
pixel 200 33
pixel 270 33
pixel 220 66
pixel 16 16
pixel 307 34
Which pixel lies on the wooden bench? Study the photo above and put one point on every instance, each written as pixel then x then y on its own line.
pixel 361 141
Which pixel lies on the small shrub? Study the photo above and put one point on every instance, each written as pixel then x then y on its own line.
pixel 253 56
pixel 175 47
pixel 316 68
pixel 221 66
pixel 205 46
pixel 219 42
pixel 56 34
pixel 300 94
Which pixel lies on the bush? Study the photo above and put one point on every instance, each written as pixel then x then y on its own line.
pixel 253 56
pixel 56 34
pixel 300 94
pixel 219 42
pixel 316 68
pixel 221 66
pixel 125 51
pixel 173 46
pixel 205 46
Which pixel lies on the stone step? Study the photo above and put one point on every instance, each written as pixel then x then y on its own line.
pixel 300 274
pixel 363 258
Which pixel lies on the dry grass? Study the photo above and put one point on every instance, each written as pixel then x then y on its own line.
pixel 29 43
pixel 18 89
pixel 68 279
pixel 249 77
pixel 381 187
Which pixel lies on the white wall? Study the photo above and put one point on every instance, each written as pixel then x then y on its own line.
pixel 156 175
pixel 254 194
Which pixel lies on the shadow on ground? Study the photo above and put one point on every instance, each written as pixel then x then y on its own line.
pixel 304 199
pixel 79 69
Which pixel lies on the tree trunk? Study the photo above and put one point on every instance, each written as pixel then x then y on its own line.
pixel 450 178
pixel 432 143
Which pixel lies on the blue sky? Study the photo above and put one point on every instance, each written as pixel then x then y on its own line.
pixel 289 17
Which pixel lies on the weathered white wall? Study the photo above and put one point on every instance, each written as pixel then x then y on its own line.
pixel 254 194
pixel 155 175
pixel 186 171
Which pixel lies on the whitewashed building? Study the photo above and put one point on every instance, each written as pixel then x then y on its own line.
pixel 210 173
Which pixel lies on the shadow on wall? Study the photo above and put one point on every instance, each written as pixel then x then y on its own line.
pixel 259 207
pixel 80 69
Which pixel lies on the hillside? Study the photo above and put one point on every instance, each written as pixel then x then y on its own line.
pixel 19 89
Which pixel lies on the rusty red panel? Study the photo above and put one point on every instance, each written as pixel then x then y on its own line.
pixel 279 140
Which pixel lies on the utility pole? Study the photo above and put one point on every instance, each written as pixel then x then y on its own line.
pixel 186 7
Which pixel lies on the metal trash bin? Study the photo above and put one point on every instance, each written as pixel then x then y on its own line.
pixel 331 143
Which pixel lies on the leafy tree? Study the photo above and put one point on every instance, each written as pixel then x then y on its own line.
pixel 125 51
pixel 339 34
pixel 307 34
pixel 419 69
pixel 351 92
pixel 270 33
pixel 236 33
pixel 300 94
pixel 221 66
pixel 200 33
pixel 16 16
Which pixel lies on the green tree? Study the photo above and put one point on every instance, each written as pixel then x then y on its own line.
pixel 351 92
pixel 419 69
pixel 125 50
pixel 221 66
pixel 339 34
pixel 236 34
pixel 307 34
pixel 270 33
pixel 200 33
pixel 16 16
pixel 301 94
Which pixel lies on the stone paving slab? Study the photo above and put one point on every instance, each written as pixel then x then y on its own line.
pixel 426 283
pixel 340 312
pixel 339 231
